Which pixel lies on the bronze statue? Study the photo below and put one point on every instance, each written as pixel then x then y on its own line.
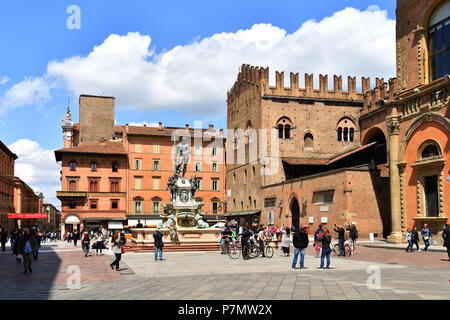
pixel 183 150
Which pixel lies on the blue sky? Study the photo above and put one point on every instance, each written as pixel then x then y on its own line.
pixel 34 33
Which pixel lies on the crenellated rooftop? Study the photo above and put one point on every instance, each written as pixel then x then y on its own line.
pixel 378 96
pixel 250 76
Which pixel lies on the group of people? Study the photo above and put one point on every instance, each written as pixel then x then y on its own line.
pixel 25 244
pixel 412 237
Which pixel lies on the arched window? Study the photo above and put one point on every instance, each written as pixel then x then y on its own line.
pixel 430 151
pixel 439 41
pixel 345 130
pixel 284 127
pixel 309 141
pixel 280 131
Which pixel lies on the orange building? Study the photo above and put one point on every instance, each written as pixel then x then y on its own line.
pixel 117 175
pixel 26 201
pixel 7 158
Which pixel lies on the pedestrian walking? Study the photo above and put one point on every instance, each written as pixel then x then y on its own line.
pixel 4 239
pixel 117 248
pixel 446 237
pixel 341 235
pixel 18 234
pixel 85 242
pixel 426 236
pixel 318 234
pixel 300 241
pixel 99 244
pixel 26 246
pixel 225 242
pixel 262 238
pixel 326 250
pixel 353 235
pixel 415 238
pixel 33 234
pixel 75 237
pixel 285 241
pixel 158 242
pixel 409 239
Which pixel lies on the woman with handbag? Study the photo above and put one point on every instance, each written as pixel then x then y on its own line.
pixel 426 236
pixel 117 247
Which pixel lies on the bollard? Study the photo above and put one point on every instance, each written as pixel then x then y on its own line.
pixel 371 237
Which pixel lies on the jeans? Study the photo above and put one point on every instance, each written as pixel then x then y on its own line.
pixel 35 255
pixel 417 244
pixel 448 252
pixel 302 257
pixel 325 253
pixel 75 242
pixel 261 246
pixel 225 244
pixel 99 247
pixel 116 262
pixel 341 247
pixel 427 244
pixel 156 253
pixel 410 246
pixel 85 246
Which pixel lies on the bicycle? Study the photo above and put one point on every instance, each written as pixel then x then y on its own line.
pixel 234 250
pixel 336 250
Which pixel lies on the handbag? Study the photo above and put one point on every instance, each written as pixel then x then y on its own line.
pixel 220 240
pixel 123 250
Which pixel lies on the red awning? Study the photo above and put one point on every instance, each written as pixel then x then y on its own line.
pixel 27 215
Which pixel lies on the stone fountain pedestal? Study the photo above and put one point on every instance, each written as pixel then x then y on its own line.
pixel 183 227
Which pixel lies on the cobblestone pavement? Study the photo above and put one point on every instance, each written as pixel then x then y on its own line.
pixel 210 275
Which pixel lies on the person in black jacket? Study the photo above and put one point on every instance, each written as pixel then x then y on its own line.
pixel 415 238
pixel 341 232
pixel 300 242
pixel 446 237
pixel 158 242
pixel 326 250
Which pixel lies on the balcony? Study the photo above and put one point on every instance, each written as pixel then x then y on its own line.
pixel 86 194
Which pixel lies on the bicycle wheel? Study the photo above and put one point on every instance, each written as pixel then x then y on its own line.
pixel 269 251
pixel 336 249
pixel 233 251
pixel 254 252
pixel 348 250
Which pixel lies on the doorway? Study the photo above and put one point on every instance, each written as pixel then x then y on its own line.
pixel 295 213
pixel 431 196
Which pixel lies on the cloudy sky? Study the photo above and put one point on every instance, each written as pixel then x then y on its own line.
pixel 170 61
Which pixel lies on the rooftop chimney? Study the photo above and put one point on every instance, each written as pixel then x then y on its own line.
pixel 160 126
pixel 210 127
pixel 187 126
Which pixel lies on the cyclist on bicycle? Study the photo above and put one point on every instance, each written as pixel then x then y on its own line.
pixel 85 242
pixel 262 237
pixel 245 242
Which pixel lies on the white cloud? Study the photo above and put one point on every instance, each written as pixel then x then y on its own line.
pixel 144 123
pixel 4 80
pixel 29 91
pixel 37 168
pixel 195 77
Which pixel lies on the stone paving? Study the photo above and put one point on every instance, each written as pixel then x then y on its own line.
pixel 210 275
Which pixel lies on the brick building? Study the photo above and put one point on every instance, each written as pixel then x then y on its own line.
pixel 314 165
pixel 117 175
pixel 7 159
pixel 378 157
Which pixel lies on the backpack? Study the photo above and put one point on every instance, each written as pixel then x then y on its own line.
pixel 353 233
pixel 86 237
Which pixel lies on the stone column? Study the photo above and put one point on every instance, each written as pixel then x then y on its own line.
pixel 396 236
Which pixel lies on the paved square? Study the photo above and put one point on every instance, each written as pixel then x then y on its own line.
pixel 210 275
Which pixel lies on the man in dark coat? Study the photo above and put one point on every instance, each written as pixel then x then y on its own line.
pixel 341 232
pixel 446 236
pixel 158 242
pixel 300 242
